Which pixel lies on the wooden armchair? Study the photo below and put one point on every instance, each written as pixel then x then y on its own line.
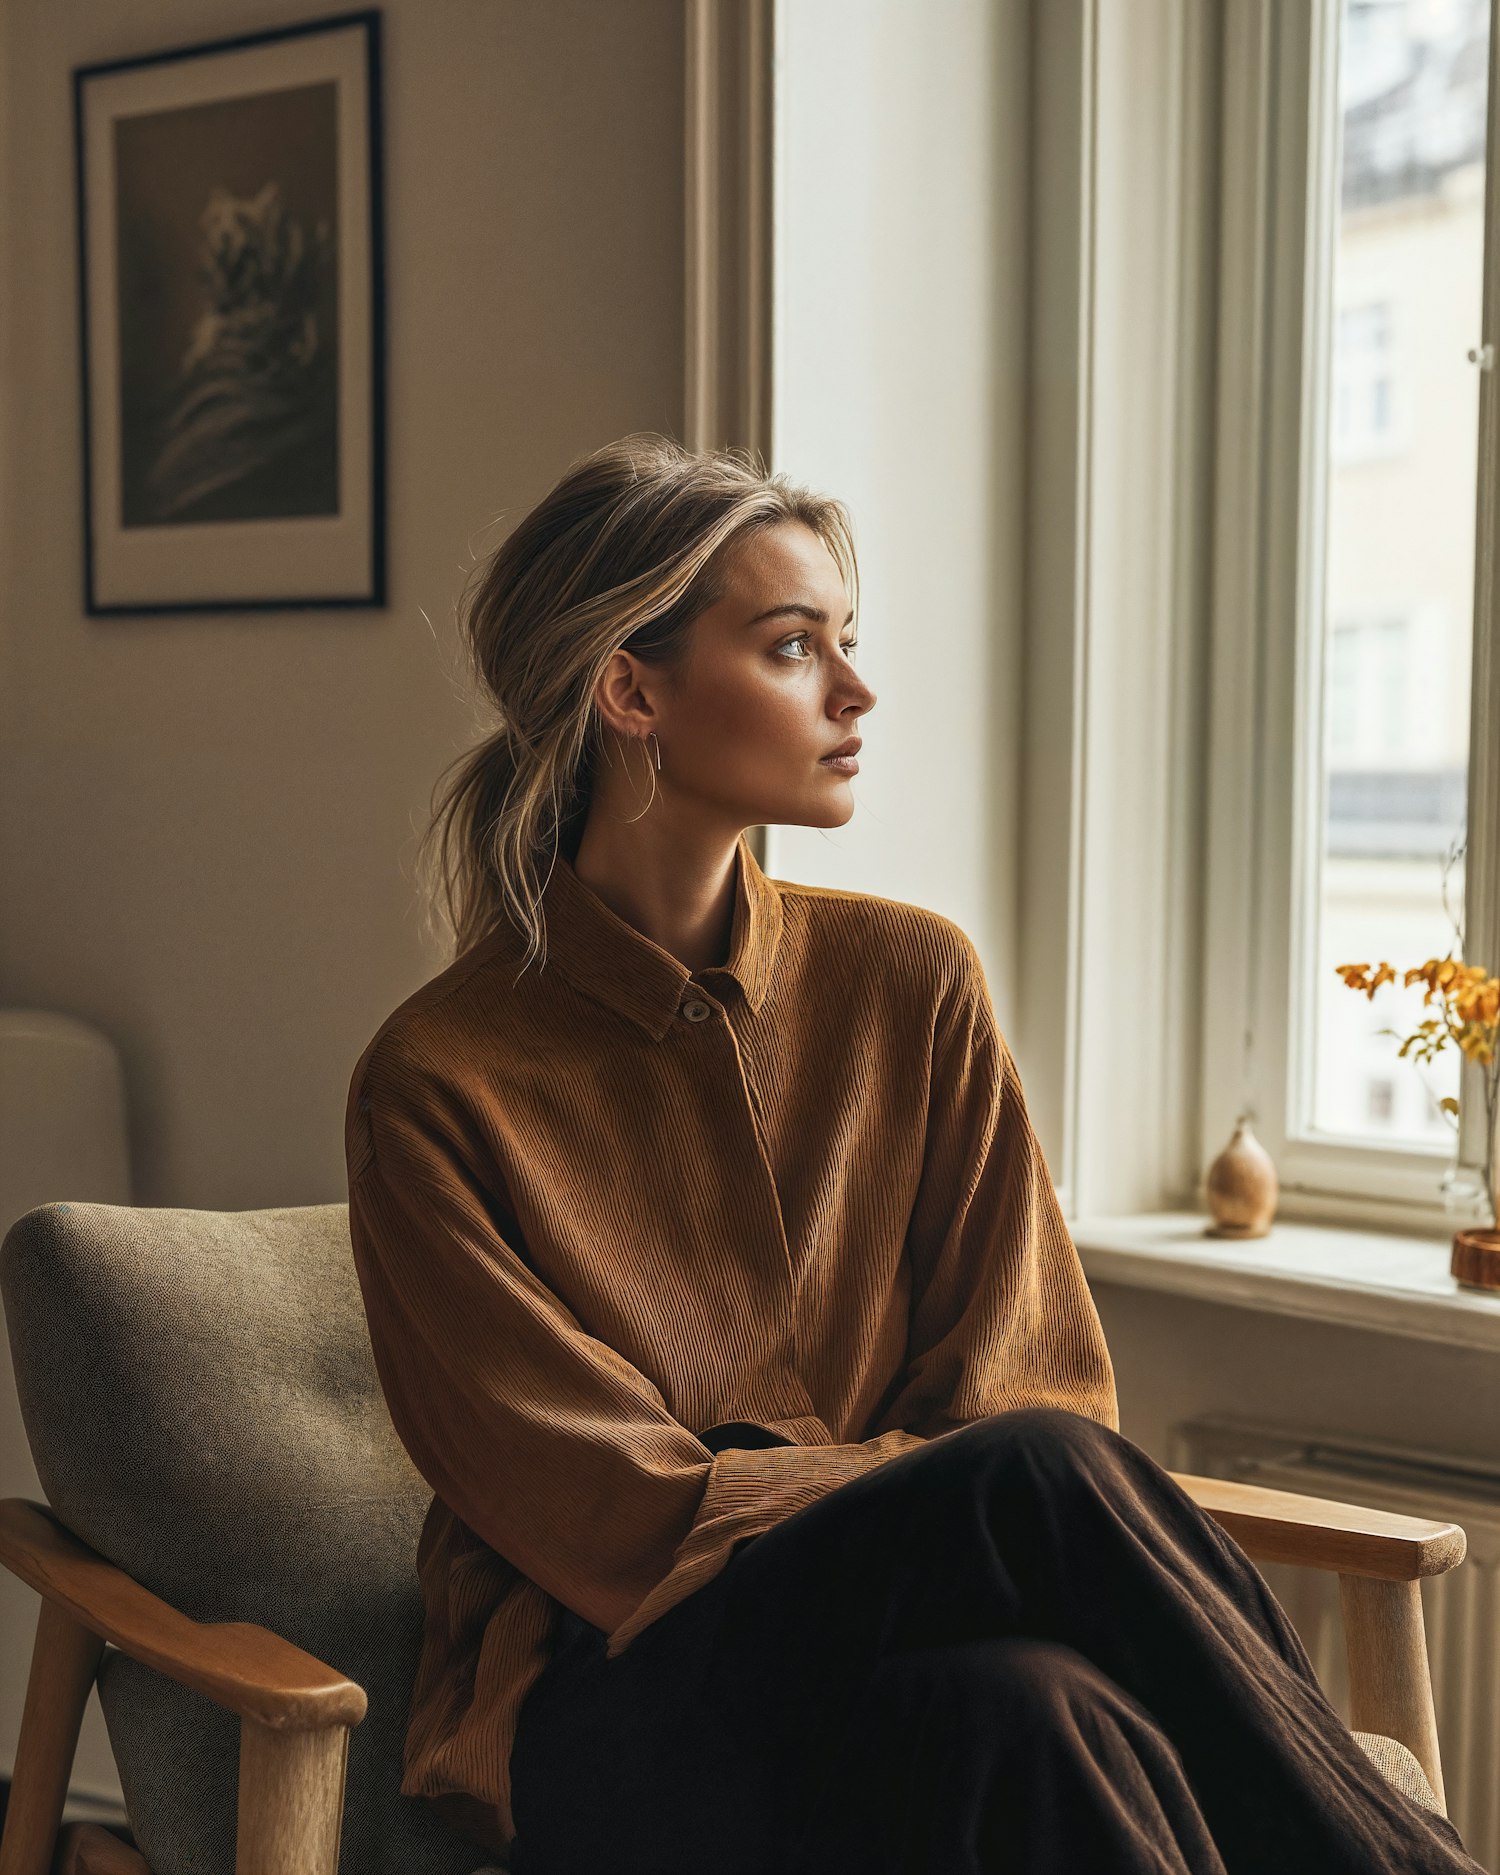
pixel 230 1509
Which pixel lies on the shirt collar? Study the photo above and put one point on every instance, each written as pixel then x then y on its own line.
pixel 607 958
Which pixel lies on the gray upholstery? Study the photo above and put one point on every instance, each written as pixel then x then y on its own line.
pixel 202 1407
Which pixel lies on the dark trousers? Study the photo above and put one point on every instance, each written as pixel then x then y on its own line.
pixel 1019 1648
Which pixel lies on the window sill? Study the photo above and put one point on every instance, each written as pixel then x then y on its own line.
pixel 1356 1278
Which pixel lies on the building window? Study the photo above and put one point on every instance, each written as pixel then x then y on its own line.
pixel 1371 687
pixel 1364 397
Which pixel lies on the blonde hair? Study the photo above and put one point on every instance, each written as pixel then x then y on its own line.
pixel 625 552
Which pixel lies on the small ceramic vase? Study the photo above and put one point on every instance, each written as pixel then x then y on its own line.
pixel 1242 1187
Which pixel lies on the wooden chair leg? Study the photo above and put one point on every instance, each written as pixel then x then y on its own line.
pixel 1390 1680
pixel 291 1807
pixel 64 1661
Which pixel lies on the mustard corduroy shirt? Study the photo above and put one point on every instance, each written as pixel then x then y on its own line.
pixel 601 1208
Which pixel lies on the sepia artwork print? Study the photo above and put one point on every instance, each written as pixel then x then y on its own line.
pixel 240 422
pixel 231 324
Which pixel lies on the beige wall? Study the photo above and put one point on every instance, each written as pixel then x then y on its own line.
pixel 204 819
pixel 1177 1357
pixel 900 385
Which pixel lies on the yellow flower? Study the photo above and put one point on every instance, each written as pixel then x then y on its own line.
pixel 1471 1007
pixel 1357 977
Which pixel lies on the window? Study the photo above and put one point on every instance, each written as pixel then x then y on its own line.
pixel 1408 205
pixel 1360 170
pixel 1364 396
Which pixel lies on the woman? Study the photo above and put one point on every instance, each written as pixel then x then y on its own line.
pixel 717 1285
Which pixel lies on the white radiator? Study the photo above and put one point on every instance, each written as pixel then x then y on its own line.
pixel 1461 1609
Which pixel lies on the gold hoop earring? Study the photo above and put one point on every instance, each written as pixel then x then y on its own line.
pixel 650 736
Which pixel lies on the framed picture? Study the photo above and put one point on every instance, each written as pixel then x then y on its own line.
pixel 231 323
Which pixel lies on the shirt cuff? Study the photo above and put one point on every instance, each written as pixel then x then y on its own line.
pixel 749 1491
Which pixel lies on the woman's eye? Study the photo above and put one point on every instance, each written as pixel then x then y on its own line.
pixel 801 639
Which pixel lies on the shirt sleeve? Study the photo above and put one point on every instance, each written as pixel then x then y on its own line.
pixel 1001 1312
pixel 556 1451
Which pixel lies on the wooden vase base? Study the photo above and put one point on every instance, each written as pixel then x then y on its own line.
pixel 1475 1262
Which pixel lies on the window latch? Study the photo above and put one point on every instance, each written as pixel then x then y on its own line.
pixel 1483 356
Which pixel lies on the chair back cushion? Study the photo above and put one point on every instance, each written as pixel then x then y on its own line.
pixel 202 1406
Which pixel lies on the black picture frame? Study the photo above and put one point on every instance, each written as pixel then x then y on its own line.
pixel 232 324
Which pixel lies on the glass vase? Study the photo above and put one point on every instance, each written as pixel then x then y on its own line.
pixel 1464 1198
pixel 1474 1261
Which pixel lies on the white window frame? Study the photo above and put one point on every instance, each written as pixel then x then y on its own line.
pixel 1280 125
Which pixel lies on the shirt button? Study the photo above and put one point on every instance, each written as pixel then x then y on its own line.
pixel 696 1011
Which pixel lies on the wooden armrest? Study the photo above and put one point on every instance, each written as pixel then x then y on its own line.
pixel 247 1669
pixel 1322 1533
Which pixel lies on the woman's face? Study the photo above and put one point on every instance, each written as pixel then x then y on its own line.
pixel 768 688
